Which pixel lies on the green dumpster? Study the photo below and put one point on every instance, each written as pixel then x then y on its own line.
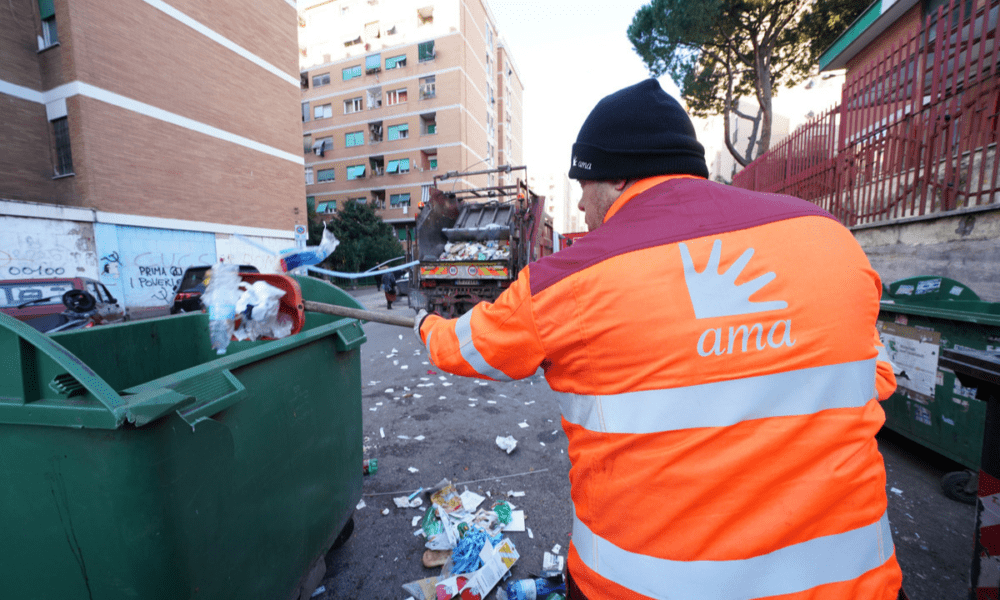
pixel 918 317
pixel 137 463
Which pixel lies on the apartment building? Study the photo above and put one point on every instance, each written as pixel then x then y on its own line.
pixel 395 92
pixel 143 136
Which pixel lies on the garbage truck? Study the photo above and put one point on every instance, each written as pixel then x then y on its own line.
pixel 472 242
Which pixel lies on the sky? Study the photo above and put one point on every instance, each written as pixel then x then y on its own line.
pixel 570 54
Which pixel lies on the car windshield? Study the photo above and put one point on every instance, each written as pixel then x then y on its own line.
pixel 16 293
pixel 194 280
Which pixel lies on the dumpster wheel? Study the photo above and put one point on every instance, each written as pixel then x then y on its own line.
pixel 961 486
pixel 344 535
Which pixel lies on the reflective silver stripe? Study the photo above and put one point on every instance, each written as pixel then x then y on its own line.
pixel 724 403
pixel 463 329
pixel 883 355
pixel 427 345
pixel 827 559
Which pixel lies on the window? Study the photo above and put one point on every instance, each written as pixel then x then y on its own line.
pixel 425 15
pixel 321 80
pixel 395 62
pixel 428 124
pixel 355 172
pixel 353 42
pixel 373 63
pixel 425 51
pixel 427 88
pixel 399 132
pixel 304 81
pixel 398 200
pixel 374 98
pixel 395 97
pixel 326 208
pixel 50 37
pixel 353 105
pixel 372 31
pixel 377 164
pixel 64 157
pixel 326 175
pixel 307 142
pixel 378 198
pixel 309 175
pixel 429 160
pixel 305 111
pixel 398 166
pixel 352 72
pixel 375 132
pixel 355 138
pixel 323 111
pixel 321 145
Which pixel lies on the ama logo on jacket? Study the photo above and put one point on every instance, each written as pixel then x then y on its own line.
pixel 714 294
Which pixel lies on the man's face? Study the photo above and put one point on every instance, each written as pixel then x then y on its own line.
pixel 598 196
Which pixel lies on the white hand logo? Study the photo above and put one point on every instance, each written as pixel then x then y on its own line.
pixel 717 295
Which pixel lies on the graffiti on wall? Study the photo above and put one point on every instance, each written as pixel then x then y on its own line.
pixel 145 264
pixel 35 248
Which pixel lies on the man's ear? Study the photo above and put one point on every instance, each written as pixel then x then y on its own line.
pixel 621 184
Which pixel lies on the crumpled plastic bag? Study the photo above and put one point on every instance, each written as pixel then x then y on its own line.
pixel 258 308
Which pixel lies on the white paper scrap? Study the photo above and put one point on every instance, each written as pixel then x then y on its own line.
pixel 550 562
pixel 318 591
pixel 523 424
pixel 361 504
pixel 405 502
pixel 496 562
pixel 556 549
pixel 413 469
pixel 446 384
pixel 442 378
pixel 530 535
pixel 503 395
pixel 442 397
pixel 378 404
pixel 491 402
pixel 516 521
pixel 529 403
pixel 390 391
pixel 385 511
pixel 415 521
pixel 405 367
pixel 896 491
pixel 403 437
pixel 395 362
pixel 471 500
pixel 381 431
pixel 400 336
pixel 420 438
pixel 514 494
pixel 507 443
pixel 373 409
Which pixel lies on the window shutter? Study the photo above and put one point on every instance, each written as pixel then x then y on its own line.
pixel 373 62
pixel 392 166
pixel 404 165
pixel 46 8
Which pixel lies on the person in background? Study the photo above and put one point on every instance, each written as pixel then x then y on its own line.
pixel 389 284
pixel 720 373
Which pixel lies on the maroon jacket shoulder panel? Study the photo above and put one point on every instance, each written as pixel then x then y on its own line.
pixel 674 211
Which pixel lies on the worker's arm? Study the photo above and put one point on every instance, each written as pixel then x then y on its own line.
pixel 492 341
pixel 885 378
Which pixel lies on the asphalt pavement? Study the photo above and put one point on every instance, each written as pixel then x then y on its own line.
pixel 405 397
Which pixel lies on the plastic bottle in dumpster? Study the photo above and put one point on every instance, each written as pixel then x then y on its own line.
pixel 220 297
pixel 550 583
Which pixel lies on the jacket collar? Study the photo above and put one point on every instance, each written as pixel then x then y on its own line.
pixel 639 187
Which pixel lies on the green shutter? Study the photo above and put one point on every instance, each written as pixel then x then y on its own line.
pixel 432 128
pixel 310 202
pixel 433 163
pixel 404 165
pixel 425 51
pixel 46 8
pixel 373 62
pixel 392 166
pixel 355 138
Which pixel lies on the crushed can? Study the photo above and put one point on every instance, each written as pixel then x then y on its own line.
pixel 369 466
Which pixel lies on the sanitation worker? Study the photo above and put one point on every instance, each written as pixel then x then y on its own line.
pixel 720 376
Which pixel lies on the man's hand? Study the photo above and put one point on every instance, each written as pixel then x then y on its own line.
pixel 417 321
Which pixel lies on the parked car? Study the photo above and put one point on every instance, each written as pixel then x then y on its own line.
pixel 403 284
pixel 60 303
pixel 187 296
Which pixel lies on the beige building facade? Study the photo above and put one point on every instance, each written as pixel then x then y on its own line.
pixel 157 129
pixel 395 92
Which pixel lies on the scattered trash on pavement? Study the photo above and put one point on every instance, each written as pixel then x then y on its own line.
pixel 369 466
pixel 361 504
pixel 896 491
pixel 551 562
pixel 507 443
pixel 550 582
pixel 319 591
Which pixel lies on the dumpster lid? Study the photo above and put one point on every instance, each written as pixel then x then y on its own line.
pixel 938 297
pixel 976 363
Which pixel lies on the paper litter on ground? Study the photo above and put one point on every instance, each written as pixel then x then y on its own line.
pixel 381 431
pixel 516 521
pixel 413 470
pixel 896 491
pixel 403 437
pixel 385 511
pixel 415 521
pixel 405 502
pixel 530 535
pixel 496 562
pixel 507 443
pixel 551 562
pixel 361 504
pixel 523 424
pixel 405 367
pixel 442 397
pixel 390 391
pixel 514 494
pixel 471 500
pixel 420 438
pixel 556 549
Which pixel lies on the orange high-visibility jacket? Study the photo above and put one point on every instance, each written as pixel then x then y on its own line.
pixel 720 375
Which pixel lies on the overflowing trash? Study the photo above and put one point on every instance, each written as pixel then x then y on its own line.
pixel 507 443
pixel 221 294
pixel 294 258
pixel 259 317
pixel 491 250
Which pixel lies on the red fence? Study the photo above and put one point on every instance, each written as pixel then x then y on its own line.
pixel 916 131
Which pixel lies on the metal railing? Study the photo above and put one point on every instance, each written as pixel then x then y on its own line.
pixel 915 133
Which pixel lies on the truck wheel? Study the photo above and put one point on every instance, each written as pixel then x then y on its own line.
pixel 961 486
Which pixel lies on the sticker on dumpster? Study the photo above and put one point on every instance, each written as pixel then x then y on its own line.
pixel 904 290
pixel 928 285
pixel 914 353
pixel 922 415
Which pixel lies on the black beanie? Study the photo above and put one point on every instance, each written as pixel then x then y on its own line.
pixel 637 132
